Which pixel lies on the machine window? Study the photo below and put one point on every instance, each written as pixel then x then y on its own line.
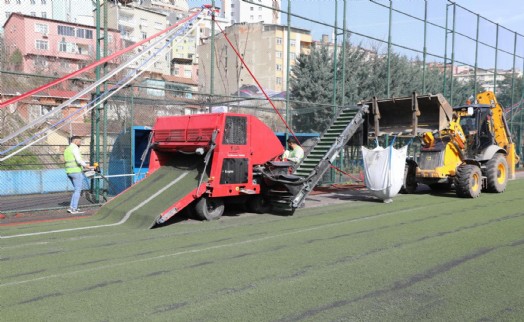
pixel 235 130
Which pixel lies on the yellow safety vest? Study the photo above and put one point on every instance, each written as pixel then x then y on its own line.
pixel 70 162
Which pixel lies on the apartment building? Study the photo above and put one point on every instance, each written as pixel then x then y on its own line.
pixel 34 8
pixel 52 47
pixel 264 49
pixel 485 77
pixel 77 11
pixel 136 23
pixel 251 11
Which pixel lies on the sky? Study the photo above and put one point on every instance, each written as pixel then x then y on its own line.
pixel 366 17
pixel 508 13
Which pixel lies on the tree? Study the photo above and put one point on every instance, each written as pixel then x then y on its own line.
pixel 357 82
pixel 311 86
pixel 507 96
pixel 365 76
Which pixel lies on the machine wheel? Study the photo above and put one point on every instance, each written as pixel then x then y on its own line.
pixel 410 180
pixel 258 204
pixel 209 208
pixel 497 173
pixel 468 181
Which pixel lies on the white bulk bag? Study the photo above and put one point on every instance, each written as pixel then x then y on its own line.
pixel 384 170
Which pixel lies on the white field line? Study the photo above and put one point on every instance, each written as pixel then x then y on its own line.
pixel 127 263
pixel 123 220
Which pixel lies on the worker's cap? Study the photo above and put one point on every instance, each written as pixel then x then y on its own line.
pixel 292 140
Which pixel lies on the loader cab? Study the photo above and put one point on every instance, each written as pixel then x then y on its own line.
pixel 476 122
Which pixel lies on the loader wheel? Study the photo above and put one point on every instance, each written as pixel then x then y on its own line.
pixel 410 180
pixel 258 204
pixel 209 208
pixel 468 181
pixel 497 173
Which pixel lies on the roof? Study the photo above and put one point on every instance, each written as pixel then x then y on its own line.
pixel 61 94
pixel 80 129
pixel 180 80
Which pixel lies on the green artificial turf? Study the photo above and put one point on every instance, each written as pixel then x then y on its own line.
pixel 422 257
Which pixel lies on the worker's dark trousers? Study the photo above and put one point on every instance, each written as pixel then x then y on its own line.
pixel 76 180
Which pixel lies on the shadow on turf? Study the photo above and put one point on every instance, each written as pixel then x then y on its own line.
pixel 187 214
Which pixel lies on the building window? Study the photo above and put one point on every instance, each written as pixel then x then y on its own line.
pixel 33 13
pixel 62 46
pixel 66 31
pixel 251 17
pixel 33 1
pixel 84 33
pixel 278 54
pixel 18 2
pixel 159 25
pixel 144 35
pixel 44 109
pixel 43 1
pixel 279 80
pixel 292 42
pixel 279 67
pixel 44 14
pixel 42 44
pixel 232 5
pixel 68 47
pixel 251 9
pixel 41 28
pixel 279 41
pixel 7 1
pixel 259 8
pixel 260 17
pixel 40 62
pixel 187 73
pixel 292 56
pixel 7 13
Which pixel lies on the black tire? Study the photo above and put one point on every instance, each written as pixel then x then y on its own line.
pixel 468 181
pixel 497 173
pixel 410 180
pixel 209 208
pixel 258 204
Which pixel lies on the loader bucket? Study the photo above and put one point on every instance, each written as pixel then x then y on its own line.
pixel 409 116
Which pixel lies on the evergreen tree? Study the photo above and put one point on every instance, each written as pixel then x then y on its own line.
pixel 506 96
pixel 311 86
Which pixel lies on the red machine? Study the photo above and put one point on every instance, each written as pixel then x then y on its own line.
pixel 205 160
pixel 223 149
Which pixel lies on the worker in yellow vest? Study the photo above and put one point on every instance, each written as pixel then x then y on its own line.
pixel 296 154
pixel 74 166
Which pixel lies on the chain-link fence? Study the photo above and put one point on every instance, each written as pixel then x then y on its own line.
pixel 349 51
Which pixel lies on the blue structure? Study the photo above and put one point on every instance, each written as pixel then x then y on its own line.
pixel 126 158
pixel 302 137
